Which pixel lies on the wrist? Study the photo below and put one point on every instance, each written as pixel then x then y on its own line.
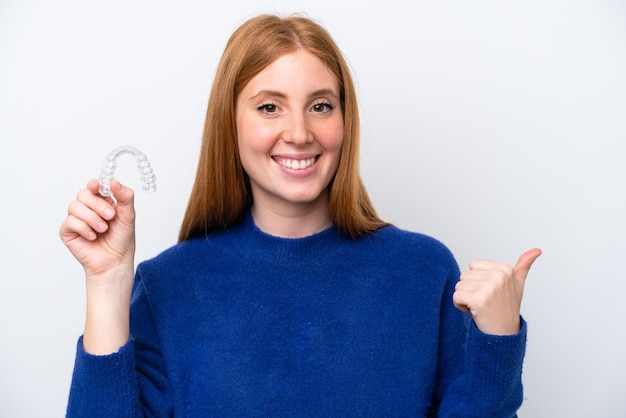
pixel 107 320
pixel 499 328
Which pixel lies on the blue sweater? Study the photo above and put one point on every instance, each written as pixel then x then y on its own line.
pixel 242 323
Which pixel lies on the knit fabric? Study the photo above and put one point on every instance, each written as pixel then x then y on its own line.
pixel 242 323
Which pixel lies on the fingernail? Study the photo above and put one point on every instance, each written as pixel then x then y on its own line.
pixel 108 213
pixel 102 226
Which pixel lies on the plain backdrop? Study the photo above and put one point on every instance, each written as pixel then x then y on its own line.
pixel 495 126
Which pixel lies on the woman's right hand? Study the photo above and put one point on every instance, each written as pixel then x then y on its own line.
pixel 100 233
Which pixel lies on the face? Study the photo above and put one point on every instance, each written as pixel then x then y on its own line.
pixel 290 131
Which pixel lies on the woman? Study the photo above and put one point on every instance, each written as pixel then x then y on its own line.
pixel 286 294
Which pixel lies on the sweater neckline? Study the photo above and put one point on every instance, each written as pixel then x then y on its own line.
pixel 249 224
pixel 321 242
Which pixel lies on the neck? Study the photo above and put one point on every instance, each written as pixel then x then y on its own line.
pixel 292 222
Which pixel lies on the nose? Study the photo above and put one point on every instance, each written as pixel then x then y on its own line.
pixel 297 130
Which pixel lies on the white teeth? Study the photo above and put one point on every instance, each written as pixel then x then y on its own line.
pixel 296 164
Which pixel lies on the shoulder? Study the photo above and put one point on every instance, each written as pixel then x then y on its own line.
pixel 188 255
pixel 409 244
pixel 404 253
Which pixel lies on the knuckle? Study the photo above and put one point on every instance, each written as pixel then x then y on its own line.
pixel 482 299
pixel 501 278
pixel 82 193
pixel 73 207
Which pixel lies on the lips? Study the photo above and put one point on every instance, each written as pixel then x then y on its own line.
pixel 295 164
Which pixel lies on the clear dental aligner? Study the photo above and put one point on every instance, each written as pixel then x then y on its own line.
pixel 148 179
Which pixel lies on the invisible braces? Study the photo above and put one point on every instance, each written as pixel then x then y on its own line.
pixel 148 179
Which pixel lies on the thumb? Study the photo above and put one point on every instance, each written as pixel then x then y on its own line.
pixel 525 261
pixel 124 196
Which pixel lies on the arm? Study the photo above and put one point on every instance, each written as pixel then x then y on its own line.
pixel 491 381
pixel 100 234
pixel 105 385
pixel 131 382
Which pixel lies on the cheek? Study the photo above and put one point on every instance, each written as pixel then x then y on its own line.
pixel 252 138
pixel 334 137
pixel 255 142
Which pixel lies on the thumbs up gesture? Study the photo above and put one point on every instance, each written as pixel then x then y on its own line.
pixel 492 291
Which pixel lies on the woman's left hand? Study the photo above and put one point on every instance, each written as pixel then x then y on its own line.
pixel 492 291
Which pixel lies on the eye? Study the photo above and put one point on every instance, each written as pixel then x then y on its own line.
pixel 322 107
pixel 268 108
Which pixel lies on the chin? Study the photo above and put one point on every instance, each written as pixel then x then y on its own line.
pixel 307 198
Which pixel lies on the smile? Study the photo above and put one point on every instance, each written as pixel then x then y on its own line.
pixel 296 164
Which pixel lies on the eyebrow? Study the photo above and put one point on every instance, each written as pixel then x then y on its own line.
pixel 281 95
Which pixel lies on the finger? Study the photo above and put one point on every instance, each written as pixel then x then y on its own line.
pixel 483 264
pixel 525 261
pixel 74 227
pixel 469 285
pixel 93 186
pixel 486 272
pixel 88 216
pixel 96 203
pixel 460 300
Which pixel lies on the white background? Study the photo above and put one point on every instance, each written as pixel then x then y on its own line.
pixel 494 126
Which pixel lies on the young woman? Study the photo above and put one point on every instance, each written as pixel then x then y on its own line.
pixel 286 294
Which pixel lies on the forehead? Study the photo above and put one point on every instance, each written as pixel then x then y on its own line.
pixel 295 70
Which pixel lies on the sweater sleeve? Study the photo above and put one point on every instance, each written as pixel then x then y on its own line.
pixel 104 386
pixel 487 381
pixel 129 383
pixel 491 384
